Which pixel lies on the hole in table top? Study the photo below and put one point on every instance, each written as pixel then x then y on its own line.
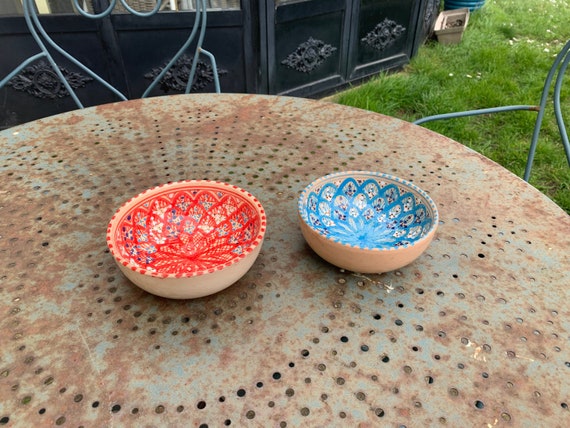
pixel 454 392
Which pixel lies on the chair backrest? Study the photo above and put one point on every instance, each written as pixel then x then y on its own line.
pixel 555 77
pixel 147 8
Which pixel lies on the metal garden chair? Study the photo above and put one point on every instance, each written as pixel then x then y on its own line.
pixel 45 43
pixel 556 75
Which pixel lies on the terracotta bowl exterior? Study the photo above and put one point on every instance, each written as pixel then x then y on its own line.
pixel 187 239
pixel 367 222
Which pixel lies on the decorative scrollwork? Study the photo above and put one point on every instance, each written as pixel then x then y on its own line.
pixel 383 35
pixel 41 81
pixel 176 78
pixel 309 55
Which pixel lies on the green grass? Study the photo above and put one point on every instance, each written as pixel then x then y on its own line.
pixel 503 59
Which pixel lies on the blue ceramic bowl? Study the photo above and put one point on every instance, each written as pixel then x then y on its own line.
pixel 367 222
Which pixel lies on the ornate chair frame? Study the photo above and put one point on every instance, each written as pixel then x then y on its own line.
pixel 43 40
pixel 558 69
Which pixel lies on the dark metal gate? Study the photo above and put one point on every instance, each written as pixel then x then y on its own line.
pixel 319 45
pixel 301 48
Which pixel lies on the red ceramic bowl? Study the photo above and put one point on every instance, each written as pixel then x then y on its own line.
pixel 187 239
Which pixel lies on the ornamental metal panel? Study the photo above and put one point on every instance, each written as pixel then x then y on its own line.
pixel 301 48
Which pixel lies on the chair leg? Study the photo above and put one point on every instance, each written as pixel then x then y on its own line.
pixel 558 69
pixel 474 113
pixel 42 39
pixel 557 108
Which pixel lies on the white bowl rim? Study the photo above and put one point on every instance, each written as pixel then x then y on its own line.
pixel 371 174
pixel 128 205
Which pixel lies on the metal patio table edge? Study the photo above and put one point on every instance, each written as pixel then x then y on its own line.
pixel 475 331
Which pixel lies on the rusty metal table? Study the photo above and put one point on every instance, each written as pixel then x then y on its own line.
pixel 474 333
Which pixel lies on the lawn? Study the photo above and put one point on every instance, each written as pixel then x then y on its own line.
pixel 503 59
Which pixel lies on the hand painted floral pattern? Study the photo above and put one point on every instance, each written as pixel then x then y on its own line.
pixel 187 231
pixel 380 212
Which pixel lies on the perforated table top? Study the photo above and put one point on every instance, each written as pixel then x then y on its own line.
pixel 474 333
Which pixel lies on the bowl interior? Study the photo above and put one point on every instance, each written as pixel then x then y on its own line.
pixel 189 230
pixel 368 210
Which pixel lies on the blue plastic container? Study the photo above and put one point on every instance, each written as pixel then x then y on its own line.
pixel 458 4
